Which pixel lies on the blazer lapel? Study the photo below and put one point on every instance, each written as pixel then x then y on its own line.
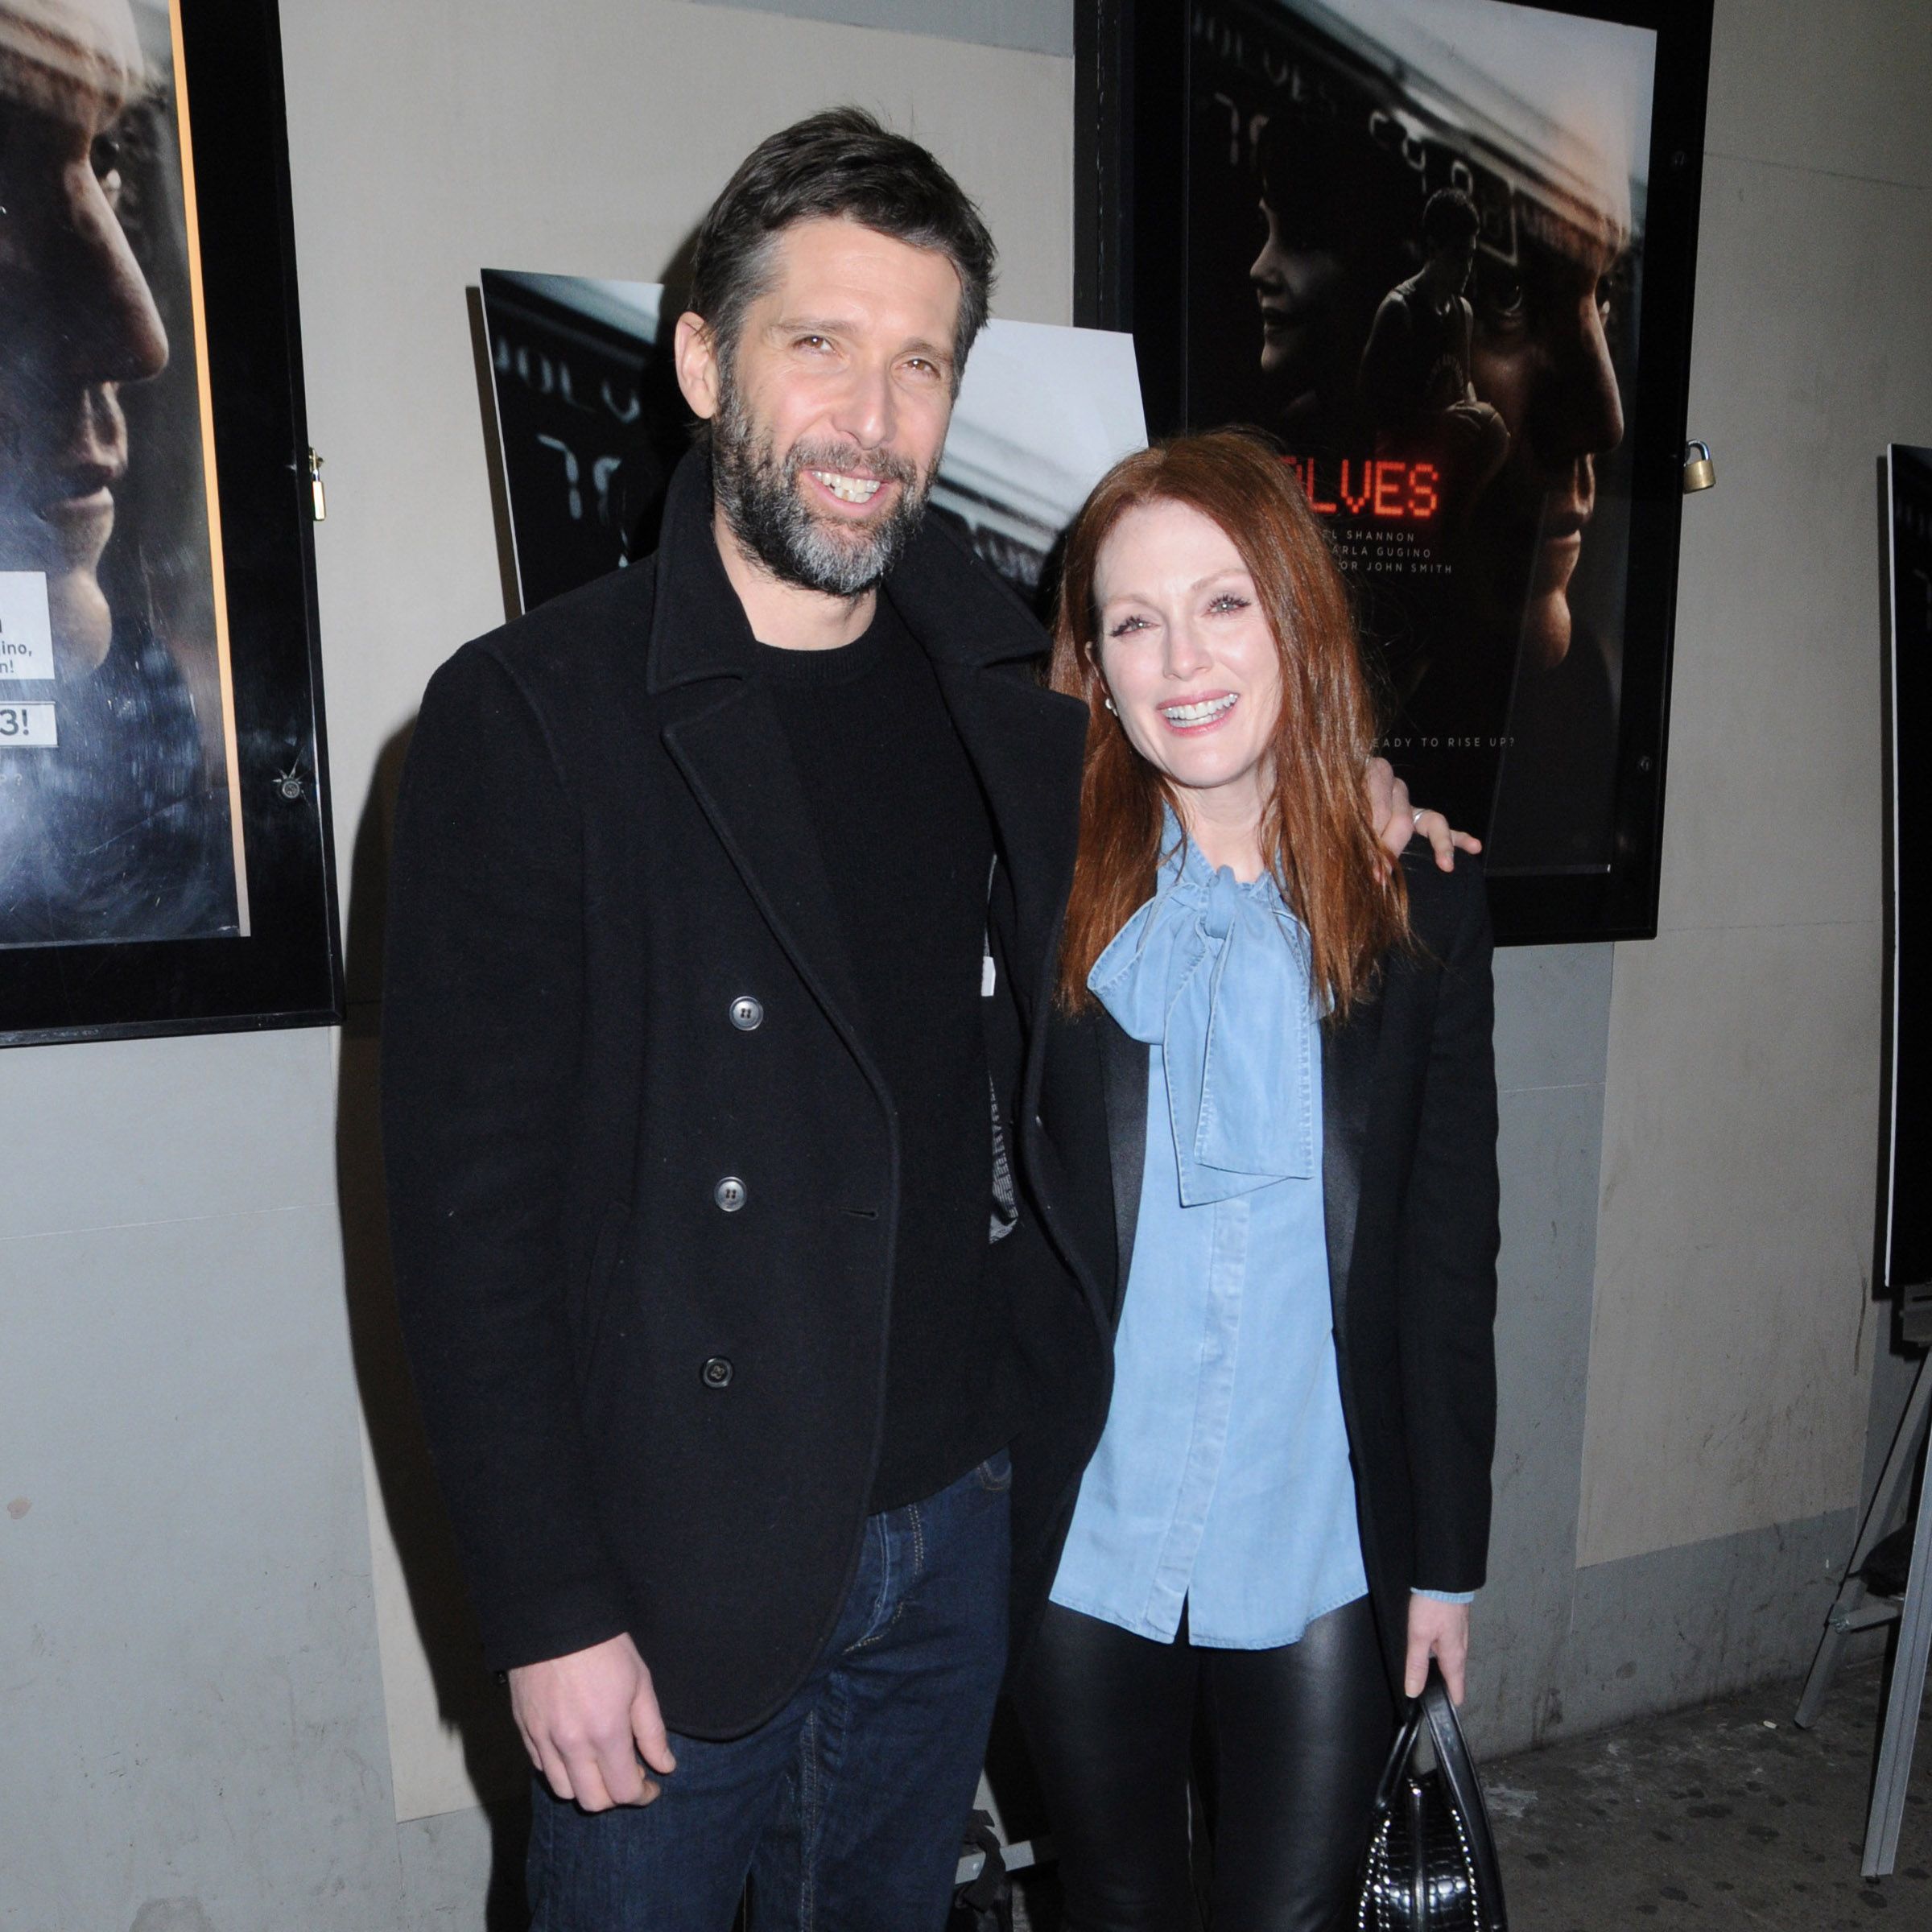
pixel 1347 1070
pixel 1124 1074
pixel 738 762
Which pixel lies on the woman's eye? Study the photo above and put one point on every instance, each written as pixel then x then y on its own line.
pixel 1125 625
pixel 1228 601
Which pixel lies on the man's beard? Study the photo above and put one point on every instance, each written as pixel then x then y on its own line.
pixel 769 515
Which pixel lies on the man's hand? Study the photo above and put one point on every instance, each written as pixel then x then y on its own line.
pixel 1396 821
pixel 587 1719
pixel 1439 1630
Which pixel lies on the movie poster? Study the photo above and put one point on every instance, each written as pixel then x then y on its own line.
pixel 118 810
pixel 590 423
pixel 1415 255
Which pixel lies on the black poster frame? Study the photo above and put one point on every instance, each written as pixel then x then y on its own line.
pixel 1133 82
pixel 287 970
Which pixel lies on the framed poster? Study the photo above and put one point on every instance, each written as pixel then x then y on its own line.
pixel 590 423
pixel 1443 250
pixel 165 860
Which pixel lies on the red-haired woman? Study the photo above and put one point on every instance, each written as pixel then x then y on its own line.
pixel 1288 1509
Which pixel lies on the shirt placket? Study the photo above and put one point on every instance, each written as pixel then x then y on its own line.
pixel 1226 1281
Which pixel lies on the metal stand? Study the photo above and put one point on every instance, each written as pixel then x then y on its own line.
pixel 1016 1858
pixel 1853 1611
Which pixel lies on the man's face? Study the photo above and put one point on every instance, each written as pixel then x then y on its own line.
pixel 76 317
pixel 828 420
pixel 1541 357
pixel 1449 265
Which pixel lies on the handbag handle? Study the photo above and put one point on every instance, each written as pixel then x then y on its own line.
pixel 1434 1709
pixel 1465 1788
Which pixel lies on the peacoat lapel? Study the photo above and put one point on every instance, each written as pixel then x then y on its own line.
pixel 733 752
pixel 1024 743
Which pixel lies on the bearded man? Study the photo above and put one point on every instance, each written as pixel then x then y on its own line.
pixel 742 1282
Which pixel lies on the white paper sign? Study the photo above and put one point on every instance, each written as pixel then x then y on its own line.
pixel 28 724
pixel 27 635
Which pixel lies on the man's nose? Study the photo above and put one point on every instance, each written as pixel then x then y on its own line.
pixel 111 329
pixel 864 409
pixel 1583 413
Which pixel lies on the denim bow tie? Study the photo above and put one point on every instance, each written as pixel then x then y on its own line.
pixel 1217 973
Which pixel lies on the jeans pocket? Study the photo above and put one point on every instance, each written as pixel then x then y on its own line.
pixel 995 1474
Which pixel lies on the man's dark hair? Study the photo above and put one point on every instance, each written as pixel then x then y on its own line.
pixel 1449 220
pixel 841 164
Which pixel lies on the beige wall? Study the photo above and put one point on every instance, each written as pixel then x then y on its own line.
pixel 1733 1325
pixel 584 139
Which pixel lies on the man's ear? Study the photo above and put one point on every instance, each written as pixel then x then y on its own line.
pixel 693 352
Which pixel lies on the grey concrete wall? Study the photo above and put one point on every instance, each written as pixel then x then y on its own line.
pixel 1038 27
pixel 1701 1426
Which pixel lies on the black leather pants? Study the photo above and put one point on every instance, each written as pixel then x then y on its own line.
pixel 1295 1739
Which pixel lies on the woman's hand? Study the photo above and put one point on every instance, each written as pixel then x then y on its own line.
pixel 1441 1631
pixel 1397 820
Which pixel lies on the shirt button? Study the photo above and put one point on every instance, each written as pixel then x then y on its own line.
pixel 729 1194
pixel 716 1372
pixel 747 1015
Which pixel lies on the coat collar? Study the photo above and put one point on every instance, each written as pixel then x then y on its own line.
pixel 1024 743
pixel 951 603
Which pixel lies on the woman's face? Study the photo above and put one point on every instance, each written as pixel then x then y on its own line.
pixel 1188 655
pixel 1297 288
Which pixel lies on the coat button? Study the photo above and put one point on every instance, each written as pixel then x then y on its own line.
pixel 747 1015
pixel 716 1372
pixel 729 1194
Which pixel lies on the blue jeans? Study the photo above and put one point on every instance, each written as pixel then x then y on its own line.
pixel 846 1811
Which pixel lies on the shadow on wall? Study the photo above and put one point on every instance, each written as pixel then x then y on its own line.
pixel 467 1699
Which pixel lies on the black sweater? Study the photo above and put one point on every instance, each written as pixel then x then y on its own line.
pixel 907 849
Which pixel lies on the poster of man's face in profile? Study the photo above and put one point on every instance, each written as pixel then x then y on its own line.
pixel 118 818
pixel 1416 252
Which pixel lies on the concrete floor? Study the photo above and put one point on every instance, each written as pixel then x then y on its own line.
pixel 1729 1815
pixel 1726 1816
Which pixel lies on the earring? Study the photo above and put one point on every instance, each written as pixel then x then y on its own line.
pixel 1108 703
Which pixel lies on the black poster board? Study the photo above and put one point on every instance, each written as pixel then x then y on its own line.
pixel 1502 479
pixel 166 863
pixel 1905 1194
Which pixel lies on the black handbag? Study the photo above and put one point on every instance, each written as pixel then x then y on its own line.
pixel 1431 1864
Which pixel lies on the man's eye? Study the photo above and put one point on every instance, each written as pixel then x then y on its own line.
pixel 1499 292
pixel 107 155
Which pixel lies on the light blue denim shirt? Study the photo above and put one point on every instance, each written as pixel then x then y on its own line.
pixel 1222 1479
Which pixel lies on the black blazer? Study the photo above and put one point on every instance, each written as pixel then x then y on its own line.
pixel 1409 1184
pixel 648 1412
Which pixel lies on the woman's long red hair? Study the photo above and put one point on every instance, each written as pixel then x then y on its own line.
pixel 1327 857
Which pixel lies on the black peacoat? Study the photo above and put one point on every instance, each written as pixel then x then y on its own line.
pixel 1410 1199
pixel 642 1171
